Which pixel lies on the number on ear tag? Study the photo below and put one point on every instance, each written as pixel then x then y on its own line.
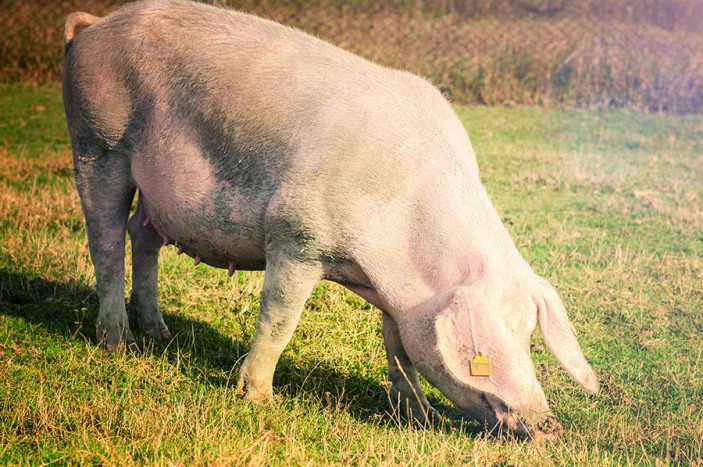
pixel 481 366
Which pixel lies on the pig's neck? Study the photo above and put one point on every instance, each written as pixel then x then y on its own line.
pixel 470 247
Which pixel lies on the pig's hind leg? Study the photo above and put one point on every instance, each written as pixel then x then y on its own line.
pixel 406 396
pixel 143 303
pixel 106 189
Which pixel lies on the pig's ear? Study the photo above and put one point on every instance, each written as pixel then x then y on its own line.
pixel 454 332
pixel 462 333
pixel 560 338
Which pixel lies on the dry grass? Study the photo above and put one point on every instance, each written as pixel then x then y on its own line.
pixel 637 53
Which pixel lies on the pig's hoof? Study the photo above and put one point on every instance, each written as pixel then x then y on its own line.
pixel 255 396
pixel 252 393
pixel 161 333
pixel 124 343
pixel 422 415
pixel 425 417
pixel 250 390
pixel 128 346
pixel 432 417
pixel 409 407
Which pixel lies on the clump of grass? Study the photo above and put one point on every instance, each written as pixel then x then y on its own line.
pixel 597 53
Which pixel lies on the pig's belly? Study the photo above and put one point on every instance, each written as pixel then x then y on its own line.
pixel 210 219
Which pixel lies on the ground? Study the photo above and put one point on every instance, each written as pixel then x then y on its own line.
pixel 606 205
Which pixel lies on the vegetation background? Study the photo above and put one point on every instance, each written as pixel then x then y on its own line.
pixel 642 53
pixel 591 149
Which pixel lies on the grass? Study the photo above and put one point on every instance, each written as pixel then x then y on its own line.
pixel 640 54
pixel 604 204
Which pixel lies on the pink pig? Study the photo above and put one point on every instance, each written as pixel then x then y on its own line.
pixel 256 146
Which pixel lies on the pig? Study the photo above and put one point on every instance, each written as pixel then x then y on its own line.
pixel 255 146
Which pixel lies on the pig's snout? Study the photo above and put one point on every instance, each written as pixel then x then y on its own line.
pixel 537 426
pixel 547 429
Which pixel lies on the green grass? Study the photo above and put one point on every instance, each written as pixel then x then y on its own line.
pixel 605 205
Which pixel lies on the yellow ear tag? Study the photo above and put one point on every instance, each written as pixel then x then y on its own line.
pixel 481 366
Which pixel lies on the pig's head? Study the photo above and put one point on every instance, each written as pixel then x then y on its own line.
pixel 497 322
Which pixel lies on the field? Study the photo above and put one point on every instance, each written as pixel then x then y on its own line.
pixel 605 204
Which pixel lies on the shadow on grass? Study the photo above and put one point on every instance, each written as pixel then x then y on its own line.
pixel 69 309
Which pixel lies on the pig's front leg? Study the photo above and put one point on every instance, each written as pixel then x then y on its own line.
pixel 143 303
pixel 287 285
pixel 406 396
